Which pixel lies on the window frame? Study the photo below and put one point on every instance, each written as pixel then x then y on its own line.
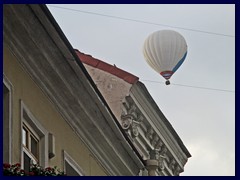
pixel 28 148
pixel 9 87
pixel 71 162
pixel 28 120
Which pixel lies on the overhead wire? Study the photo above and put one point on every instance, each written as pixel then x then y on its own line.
pixel 198 87
pixel 140 21
pixel 158 24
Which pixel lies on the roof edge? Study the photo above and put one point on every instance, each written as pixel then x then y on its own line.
pixel 112 69
pixel 164 119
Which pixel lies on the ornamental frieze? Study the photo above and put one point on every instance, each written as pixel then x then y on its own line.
pixel 149 141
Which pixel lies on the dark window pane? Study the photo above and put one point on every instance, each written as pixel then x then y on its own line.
pixel 34 147
pixel 70 171
pixel 27 162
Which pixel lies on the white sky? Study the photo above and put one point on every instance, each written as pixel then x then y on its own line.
pixel 204 119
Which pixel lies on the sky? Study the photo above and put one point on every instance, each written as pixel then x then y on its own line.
pixel 203 115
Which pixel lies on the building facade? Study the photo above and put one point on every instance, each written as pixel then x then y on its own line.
pixel 55 113
pixel 145 125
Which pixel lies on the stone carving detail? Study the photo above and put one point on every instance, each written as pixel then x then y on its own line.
pixel 154 154
pixel 177 171
pixel 140 118
pixel 132 109
pixel 126 121
pixel 163 159
pixel 161 163
pixel 172 165
pixel 149 133
pixel 131 119
pixel 163 151
pixel 154 140
pixel 159 145
pixel 162 155
pixel 134 130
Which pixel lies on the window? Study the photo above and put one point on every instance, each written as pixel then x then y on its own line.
pixel 30 142
pixel 71 168
pixel 34 140
pixel 70 171
pixel 7 120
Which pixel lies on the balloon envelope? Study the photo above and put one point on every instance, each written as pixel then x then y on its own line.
pixel 165 51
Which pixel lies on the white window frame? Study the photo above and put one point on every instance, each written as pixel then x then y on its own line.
pixel 26 150
pixel 67 158
pixel 9 86
pixel 34 125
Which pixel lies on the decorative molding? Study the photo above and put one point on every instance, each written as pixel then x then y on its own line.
pixel 148 135
pixel 163 150
pixel 28 118
pixel 134 130
pixel 80 104
pixel 129 124
pixel 155 140
pixel 67 86
pixel 157 125
pixel 131 119
pixel 177 171
pixel 126 121
pixel 154 154
pixel 67 158
pixel 159 144
pixel 51 146
pixel 172 165
pixel 151 166
pixel 9 124
pixel 161 164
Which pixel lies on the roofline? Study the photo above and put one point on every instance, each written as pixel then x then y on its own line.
pixel 164 119
pixel 99 64
pixel 79 63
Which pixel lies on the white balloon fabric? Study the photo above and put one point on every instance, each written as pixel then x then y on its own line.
pixel 165 51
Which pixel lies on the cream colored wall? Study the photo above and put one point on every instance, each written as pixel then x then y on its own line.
pixel 44 111
pixel 113 88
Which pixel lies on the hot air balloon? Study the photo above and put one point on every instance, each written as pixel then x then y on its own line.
pixel 165 51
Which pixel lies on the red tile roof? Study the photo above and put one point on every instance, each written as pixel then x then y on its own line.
pixel 89 60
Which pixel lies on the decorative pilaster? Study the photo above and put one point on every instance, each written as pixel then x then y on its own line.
pixel 156 151
pixel 151 166
pixel 152 163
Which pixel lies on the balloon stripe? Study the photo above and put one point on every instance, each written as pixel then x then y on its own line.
pixel 179 63
pixel 167 74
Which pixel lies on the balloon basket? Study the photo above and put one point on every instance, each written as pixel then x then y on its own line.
pixel 167 82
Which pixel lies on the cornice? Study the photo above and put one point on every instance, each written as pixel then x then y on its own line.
pixel 150 134
pixel 38 50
